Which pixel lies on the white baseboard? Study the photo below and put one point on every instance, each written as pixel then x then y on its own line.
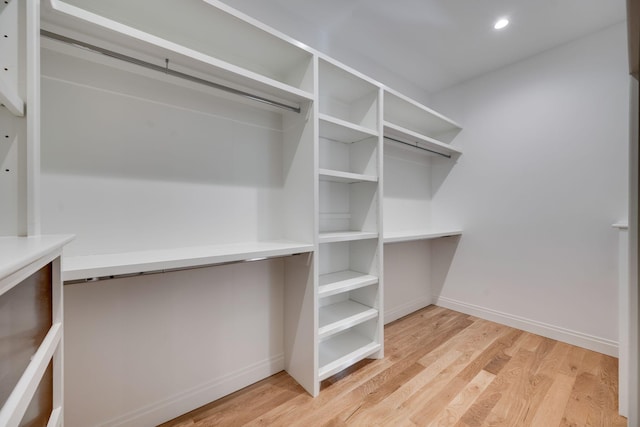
pixel 579 339
pixel 189 400
pixel 404 309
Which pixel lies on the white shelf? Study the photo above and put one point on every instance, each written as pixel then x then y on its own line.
pixel 342 351
pixel 94 266
pixel 340 130
pixel 9 98
pixel 343 315
pixel 72 21
pixel 409 136
pixel 18 252
pixel 346 236
pixel 348 177
pixel 343 281
pixel 407 113
pixel 407 236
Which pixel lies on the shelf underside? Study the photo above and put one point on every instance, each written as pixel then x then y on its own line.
pixel 88 267
pixel 420 141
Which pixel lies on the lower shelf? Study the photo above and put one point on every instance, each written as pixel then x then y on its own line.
pixel 342 351
pixel 98 266
pixel 346 236
pixel 343 315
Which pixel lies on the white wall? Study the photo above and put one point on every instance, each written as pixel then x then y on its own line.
pixel 542 178
pixel 142 350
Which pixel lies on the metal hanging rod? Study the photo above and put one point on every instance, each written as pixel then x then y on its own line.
pixel 167 70
pixel 448 156
pixel 171 270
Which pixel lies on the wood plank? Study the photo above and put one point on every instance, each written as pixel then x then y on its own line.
pixel 441 368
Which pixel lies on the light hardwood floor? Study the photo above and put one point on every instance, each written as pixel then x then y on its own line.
pixel 441 368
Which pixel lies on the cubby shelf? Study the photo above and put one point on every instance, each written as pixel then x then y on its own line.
pixel 397 132
pixel 340 130
pixel 348 177
pixel 407 236
pixel 346 236
pixel 69 20
pixel 343 315
pixel 96 266
pixel 343 281
pixel 343 350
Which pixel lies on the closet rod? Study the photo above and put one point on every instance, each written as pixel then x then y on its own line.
pixel 167 70
pixel 448 156
pixel 171 270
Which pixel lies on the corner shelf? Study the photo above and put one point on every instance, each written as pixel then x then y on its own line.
pixel 343 315
pixel 343 281
pixel 342 351
pixel 88 267
pixel 407 236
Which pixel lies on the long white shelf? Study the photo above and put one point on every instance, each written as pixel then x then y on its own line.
pixel 343 281
pixel 342 351
pixel 98 266
pixel 70 20
pixel 343 315
pixel 340 130
pixel 409 136
pixel 407 236
pixel 346 236
pixel 18 252
pixel 410 114
pixel 348 177
pixel 9 98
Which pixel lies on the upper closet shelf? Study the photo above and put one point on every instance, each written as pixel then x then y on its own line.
pixel 406 113
pixel 340 130
pixel 407 236
pixel 90 267
pixel 208 61
pixel 9 98
pixel 397 134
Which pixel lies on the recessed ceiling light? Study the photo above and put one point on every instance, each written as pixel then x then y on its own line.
pixel 501 23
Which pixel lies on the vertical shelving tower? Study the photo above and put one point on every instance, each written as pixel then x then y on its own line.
pixel 350 248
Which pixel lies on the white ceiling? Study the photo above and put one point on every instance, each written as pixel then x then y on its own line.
pixel 433 44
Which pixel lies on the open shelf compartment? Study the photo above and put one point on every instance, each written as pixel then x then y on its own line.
pixel 345 310
pixel 414 119
pixel 346 348
pixel 348 98
pixel 348 208
pixel 402 137
pixel 212 45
